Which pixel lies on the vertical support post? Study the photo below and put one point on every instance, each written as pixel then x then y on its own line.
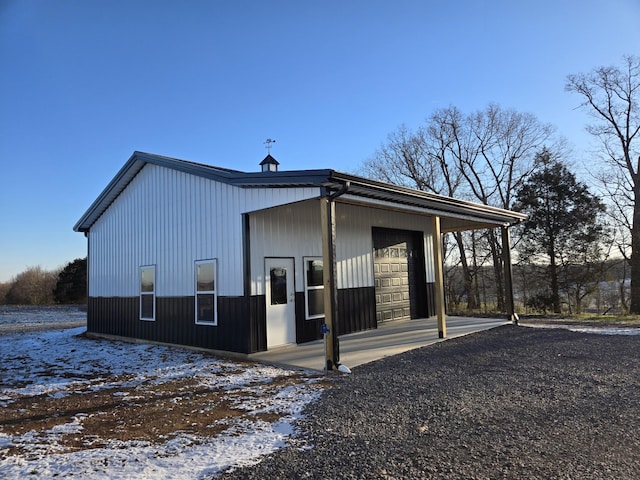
pixel 508 275
pixel 327 218
pixel 437 262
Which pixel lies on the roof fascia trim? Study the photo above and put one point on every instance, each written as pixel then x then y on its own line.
pixel 137 161
pixel 128 171
pixel 370 190
pixel 479 222
pixel 421 199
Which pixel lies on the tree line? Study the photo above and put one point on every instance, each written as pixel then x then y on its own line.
pixel 575 233
pixel 36 286
pixel 604 293
pixel 580 243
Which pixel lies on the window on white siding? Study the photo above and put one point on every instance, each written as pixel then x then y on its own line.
pixel 206 299
pixel 314 288
pixel 148 292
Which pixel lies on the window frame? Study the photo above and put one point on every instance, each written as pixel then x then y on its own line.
pixel 152 293
pixel 308 287
pixel 214 292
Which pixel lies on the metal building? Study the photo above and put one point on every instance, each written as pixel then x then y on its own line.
pixel 191 254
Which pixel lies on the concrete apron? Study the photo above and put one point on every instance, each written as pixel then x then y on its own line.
pixel 388 339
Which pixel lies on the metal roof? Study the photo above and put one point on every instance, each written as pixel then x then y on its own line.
pixel 457 214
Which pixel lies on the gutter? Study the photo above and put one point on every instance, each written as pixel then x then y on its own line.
pixel 341 191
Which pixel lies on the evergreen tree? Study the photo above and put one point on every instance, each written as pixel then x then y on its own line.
pixel 72 283
pixel 563 228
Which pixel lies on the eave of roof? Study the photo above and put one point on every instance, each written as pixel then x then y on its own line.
pixel 233 177
pixel 437 204
pixel 330 180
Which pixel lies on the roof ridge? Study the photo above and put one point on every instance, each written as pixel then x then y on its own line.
pixel 197 164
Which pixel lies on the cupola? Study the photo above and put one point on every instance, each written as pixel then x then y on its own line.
pixel 269 164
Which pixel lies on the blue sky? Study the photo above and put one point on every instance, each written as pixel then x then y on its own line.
pixel 85 83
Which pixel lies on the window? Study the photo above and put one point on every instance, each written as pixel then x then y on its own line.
pixel 278 285
pixel 148 293
pixel 314 288
pixel 206 300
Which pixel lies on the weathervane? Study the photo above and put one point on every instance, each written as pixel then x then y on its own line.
pixel 268 143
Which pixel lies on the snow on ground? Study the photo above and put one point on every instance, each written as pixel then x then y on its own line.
pixel 57 364
pixel 607 330
pixel 35 314
pixel 586 329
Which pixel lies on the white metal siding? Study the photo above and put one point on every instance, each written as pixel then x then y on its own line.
pixel 287 231
pixel 354 242
pixel 170 219
pixel 428 255
pixel 295 231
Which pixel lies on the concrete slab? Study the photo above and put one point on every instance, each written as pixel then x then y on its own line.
pixel 388 339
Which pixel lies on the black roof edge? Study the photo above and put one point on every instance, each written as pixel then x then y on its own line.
pixel 138 159
pixel 328 179
pixel 237 177
pixel 447 204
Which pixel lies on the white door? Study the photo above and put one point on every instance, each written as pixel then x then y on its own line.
pixel 281 297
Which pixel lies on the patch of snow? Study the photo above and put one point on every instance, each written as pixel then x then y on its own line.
pixel 33 314
pixel 607 331
pixel 59 363
pixel 592 330
pixel 67 428
pixel 183 457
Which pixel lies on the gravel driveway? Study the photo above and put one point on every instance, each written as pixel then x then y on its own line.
pixel 512 402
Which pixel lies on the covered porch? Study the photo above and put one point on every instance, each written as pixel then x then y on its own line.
pixel 445 215
pixel 390 338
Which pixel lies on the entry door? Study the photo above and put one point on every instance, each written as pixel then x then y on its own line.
pixel 280 299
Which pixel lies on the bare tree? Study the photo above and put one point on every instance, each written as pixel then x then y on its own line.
pixel 423 160
pixel 441 134
pixel 483 156
pixel 583 274
pixel 494 151
pixel 611 95
pixel 34 286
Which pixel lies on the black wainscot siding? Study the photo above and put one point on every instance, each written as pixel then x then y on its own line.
pixel 241 320
pixel 175 322
pixel 356 312
pixel 306 330
pixel 257 324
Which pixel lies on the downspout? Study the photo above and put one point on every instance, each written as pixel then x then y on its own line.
pixel 330 327
pixel 341 191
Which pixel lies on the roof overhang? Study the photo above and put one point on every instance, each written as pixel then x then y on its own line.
pixel 138 160
pixel 456 215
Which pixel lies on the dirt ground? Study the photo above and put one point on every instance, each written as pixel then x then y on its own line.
pixel 147 412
